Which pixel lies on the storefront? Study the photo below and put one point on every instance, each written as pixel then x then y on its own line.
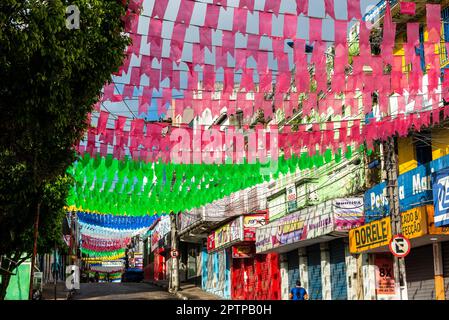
pixel 157 250
pixel 232 246
pixel 312 243
pixel 418 226
pixel 254 276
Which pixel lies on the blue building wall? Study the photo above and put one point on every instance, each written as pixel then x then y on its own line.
pixel 314 271
pixel 339 290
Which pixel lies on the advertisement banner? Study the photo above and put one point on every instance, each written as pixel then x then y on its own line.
pixel 440 183
pixel 432 229
pixel 308 223
pixel 227 234
pixel 414 190
pixel 250 224
pixel 243 251
pixel 385 282
pixel 348 213
pixel 414 222
pixel 211 241
pixel 155 237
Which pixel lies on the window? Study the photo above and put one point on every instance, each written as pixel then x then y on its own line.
pixel 277 206
pixel 423 147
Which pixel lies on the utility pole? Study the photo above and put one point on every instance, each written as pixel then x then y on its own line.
pixel 174 274
pixel 33 259
pixel 391 165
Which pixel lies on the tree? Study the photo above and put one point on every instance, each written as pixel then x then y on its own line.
pixel 50 78
pixel 19 236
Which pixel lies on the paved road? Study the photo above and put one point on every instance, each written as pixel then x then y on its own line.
pixel 121 291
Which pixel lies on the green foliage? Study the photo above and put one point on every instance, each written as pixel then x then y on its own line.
pixel 50 77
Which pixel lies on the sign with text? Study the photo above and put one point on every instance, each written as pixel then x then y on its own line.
pixel 291 198
pixel 440 183
pixel 308 223
pixel 385 282
pixel 348 213
pixel 415 187
pixel 369 236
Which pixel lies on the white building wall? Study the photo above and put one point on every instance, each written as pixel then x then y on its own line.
pixel 284 276
pixel 325 271
pixel 303 270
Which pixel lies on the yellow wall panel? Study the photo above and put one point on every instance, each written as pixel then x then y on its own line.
pixel 406 155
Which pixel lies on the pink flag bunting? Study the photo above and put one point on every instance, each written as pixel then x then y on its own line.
pixel 433 15
pixel 302 6
pixel 212 15
pixel 408 8
pixel 315 29
pixel 239 22
pixel 272 5
pixel 265 23
pixel 290 26
pixel 354 10
pixel 329 8
pixel 159 8
pixel 185 11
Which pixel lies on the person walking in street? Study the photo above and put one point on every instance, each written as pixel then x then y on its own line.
pixel 298 292
pixel 97 276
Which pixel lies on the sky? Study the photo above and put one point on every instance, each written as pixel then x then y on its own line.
pixel 316 9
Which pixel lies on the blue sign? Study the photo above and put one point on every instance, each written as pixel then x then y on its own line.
pixel 415 190
pixel 440 183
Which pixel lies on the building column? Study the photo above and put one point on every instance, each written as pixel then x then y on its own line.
pixel 303 268
pixel 283 263
pixel 351 274
pixel 325 271
pixel 438 271
pixel 369 276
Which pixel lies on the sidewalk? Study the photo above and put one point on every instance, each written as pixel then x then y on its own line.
pixel 188 291
pixel 48 292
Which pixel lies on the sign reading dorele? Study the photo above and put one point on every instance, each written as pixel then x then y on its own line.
pixel 400 246
pixel 371 235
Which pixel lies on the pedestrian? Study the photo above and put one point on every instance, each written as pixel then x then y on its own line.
pixel 97 276
pixel 298 292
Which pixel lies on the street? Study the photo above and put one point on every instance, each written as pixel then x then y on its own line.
pixel 121 291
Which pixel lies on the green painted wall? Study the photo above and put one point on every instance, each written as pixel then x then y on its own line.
pixel 19 285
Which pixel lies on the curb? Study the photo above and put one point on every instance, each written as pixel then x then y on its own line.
pixel 177 294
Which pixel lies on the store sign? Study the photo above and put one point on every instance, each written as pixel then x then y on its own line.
pixel 291 198
pixel 211 241
pixel 385 282
pixel 243 251
pixel 308 223
pixel 371 235
pixel 378 233
pixel 227 234
pixel 414 223
pixel 348 213
pixel 155 237
pixel 431 223
pixel 414 189
pixel 186 219
pixel 440 183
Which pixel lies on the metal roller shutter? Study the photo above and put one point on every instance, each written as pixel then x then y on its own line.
pixel 420 273
pixel 293 268
pixel 445 249
pixel 314 271
pixel 338 270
